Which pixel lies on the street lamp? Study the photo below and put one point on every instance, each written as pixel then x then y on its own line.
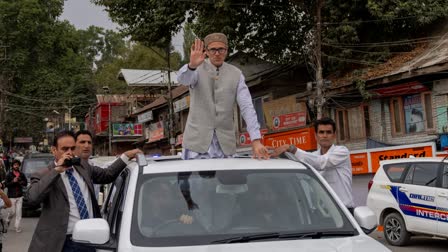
pixel 107 91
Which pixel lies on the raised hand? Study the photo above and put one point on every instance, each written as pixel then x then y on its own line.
pixel 197 53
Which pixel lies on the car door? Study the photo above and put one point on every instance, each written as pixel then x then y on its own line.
pixel 417 197
pixel 442 203
pixel 112 210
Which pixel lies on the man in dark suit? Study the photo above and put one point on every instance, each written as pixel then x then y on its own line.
pixel 67 195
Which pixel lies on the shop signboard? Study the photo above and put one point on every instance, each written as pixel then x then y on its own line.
pixel 127 129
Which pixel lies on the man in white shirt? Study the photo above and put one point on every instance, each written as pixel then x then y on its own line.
pixel 215 87
pixel 331 160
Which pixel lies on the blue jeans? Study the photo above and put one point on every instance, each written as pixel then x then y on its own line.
pixel 70 246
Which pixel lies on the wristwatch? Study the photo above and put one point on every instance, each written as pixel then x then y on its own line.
pixel 292 149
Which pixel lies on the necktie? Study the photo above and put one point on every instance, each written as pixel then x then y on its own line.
pixel 80 203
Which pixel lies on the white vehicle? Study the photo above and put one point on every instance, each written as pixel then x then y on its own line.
pixel 410 196
pixel 235 204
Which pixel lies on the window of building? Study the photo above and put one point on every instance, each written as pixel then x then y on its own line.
pixel 366 120
pixel 397 115
pixel 351 123
pixel 411 113
pixel 258 106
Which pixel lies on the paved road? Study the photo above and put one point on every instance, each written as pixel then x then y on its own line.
pixel 18 242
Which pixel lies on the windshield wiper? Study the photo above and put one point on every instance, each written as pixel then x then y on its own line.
pixel 301 235
pixel 248 238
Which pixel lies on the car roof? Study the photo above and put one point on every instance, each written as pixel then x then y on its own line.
pixel 38 155
pixel 220 164
pixel 102 161
pixel 408 160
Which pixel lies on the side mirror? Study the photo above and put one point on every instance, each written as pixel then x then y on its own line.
pixel 91 231
pixel 366 219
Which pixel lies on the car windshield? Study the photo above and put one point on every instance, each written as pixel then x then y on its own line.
pixel 33 165
pixel 194 208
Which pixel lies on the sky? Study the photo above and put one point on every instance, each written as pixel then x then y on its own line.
pixel 83 13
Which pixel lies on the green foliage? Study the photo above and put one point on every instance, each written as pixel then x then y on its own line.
pixel 282 30
pixel 368 32
pixel 48 62
pixel 189 38
pixel 151 22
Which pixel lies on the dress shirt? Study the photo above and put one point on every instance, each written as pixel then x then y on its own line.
pixel 335 166
pixel 189 78
pixel 74 212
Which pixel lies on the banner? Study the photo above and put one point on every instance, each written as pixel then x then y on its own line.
pixel 413 113
pixel 156 131
pixel 360 162
pixel 292 120
pixel 281 106
pixel 244 139
pixel 127 129
pixel 181 104
pixel 144 117
pixel 304 139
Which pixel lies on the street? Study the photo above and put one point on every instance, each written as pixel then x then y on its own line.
pixel 20 241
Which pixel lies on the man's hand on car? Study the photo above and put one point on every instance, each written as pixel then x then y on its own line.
pixel 259 150
pixel 186 219
pixel 132 153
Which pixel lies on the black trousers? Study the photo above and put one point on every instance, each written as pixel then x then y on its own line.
pixel 70 246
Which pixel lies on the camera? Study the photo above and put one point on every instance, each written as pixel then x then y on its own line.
pixel 72 161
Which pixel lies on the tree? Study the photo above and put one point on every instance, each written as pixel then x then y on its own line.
pixel 282 30
pixel 48 64
pixel 270 29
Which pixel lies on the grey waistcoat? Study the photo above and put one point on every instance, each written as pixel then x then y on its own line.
pixel 211 109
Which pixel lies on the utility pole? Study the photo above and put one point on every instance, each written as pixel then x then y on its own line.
pixel 319 79
pixel 109 124
pixel 170 104
pixel 69 108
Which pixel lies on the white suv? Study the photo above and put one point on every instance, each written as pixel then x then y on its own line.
pixel 235 204
pixel 410 196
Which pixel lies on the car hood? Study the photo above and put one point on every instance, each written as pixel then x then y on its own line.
pixel 349 244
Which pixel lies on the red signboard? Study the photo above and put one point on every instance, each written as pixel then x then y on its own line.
pixel 402 89
pixel 292 120
pixel 245 137
pixel 304 139
pixel 360 162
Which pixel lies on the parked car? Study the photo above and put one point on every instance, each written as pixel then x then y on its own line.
pixel 32 163
pixel 410 196
pixel 206 205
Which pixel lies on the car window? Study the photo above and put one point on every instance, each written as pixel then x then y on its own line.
pixel 445 177
pixel 422 174
pixel 395 172
pixel 194 208
pixel 112 208
pixel 34 165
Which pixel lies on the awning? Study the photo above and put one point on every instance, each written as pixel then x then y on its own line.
pixel 147 78
pixel 401 89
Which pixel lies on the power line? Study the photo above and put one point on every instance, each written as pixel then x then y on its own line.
pixel 368 21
